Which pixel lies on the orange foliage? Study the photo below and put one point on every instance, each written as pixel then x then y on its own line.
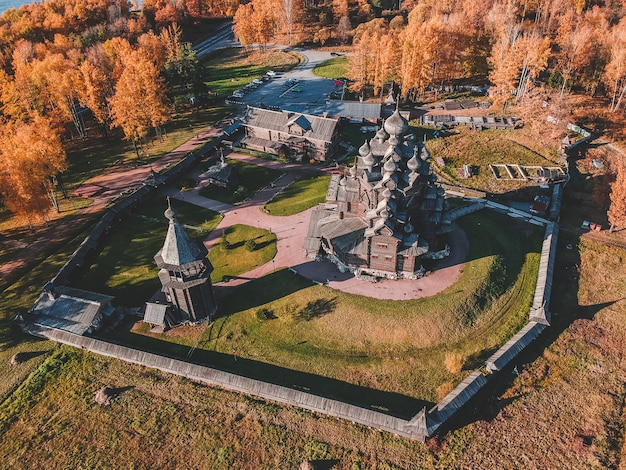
pixel 30 155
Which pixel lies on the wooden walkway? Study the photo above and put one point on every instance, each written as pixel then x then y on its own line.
pixel 236 383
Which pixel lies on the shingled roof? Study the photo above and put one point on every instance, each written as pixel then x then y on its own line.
pixel 178 249
pixel 314 127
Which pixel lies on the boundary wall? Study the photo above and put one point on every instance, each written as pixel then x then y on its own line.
pixel 422 425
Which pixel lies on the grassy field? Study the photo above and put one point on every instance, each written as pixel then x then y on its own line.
pixel 90 157
pixel 389 354
pixel 126 268
pixel 18 295
pixel 333 68
pixel 299 196
pixel 233 68
pixel 481 148
pixel 253 178
pixel 238 257
pixel 563 411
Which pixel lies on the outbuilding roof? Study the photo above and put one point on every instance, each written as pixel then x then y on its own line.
pixel 314 127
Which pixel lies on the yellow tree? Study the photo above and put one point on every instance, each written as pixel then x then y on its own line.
pixel 535 51
pixel 615 72
pixel 96 89
pixel 139 100
pixel 243 25
pixel 617 211
pixel 366 60
pixel 31 155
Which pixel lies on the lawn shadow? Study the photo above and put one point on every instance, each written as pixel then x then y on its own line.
pixel 565 309
pixel 24 356
pixel 268 288
pixel 11 335
pixel 391 403
pixel 319 464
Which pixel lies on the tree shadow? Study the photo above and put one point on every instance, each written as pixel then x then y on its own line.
pixel 317 308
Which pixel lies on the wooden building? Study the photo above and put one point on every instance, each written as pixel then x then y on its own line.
pixel 299 136
pixel 223 175
pixel 387 214
pixel 75 310
pixel 185 274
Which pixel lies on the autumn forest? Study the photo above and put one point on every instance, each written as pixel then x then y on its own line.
pixel 63 59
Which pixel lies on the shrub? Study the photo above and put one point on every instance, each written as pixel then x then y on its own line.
pixel 453 362
pixel 225 243
pixel 265 314
pixel 250 245
pixel 187 184
pixel 444 389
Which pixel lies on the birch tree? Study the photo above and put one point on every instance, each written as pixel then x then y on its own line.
pixel 31 155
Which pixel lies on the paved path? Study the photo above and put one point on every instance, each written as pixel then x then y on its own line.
pixel 291 232
pixel 102 189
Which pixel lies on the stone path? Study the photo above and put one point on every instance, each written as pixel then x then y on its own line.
pixel 291 232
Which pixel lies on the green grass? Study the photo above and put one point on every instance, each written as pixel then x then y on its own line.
pixel 333 68
pixel 19 292
pixel 299 196
pixel 481 148
pixel 142 428
pixel 93 156
pixel 231 69
pixel 388 353
pixel 238 258
pixel 253 178
pixel 125 268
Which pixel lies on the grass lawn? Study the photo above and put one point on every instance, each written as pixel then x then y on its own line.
pixel 299 196
pixel 239 258
pixel 231 69
pixel 253 178
pixel 333 68
pixel 389 354
pixel 92 156
pixel 481 148
pixel 18 295
pixel 581 370
pixel 126 268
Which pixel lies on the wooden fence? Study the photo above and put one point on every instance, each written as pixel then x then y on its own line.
pixel 422 425
pixel 233 382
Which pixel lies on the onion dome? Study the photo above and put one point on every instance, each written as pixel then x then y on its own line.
pixel 408 228
pixel 390 166
pixel 342 181
pixel 364 149
pixel 393 140
pixel 169 212
pixel 381 135
pixel 396 124
pixel 425 155
pixel 389 151
pixel 386 193
pixel 413 164
pixel 368 161
pixel 353 171
pixel 384 214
